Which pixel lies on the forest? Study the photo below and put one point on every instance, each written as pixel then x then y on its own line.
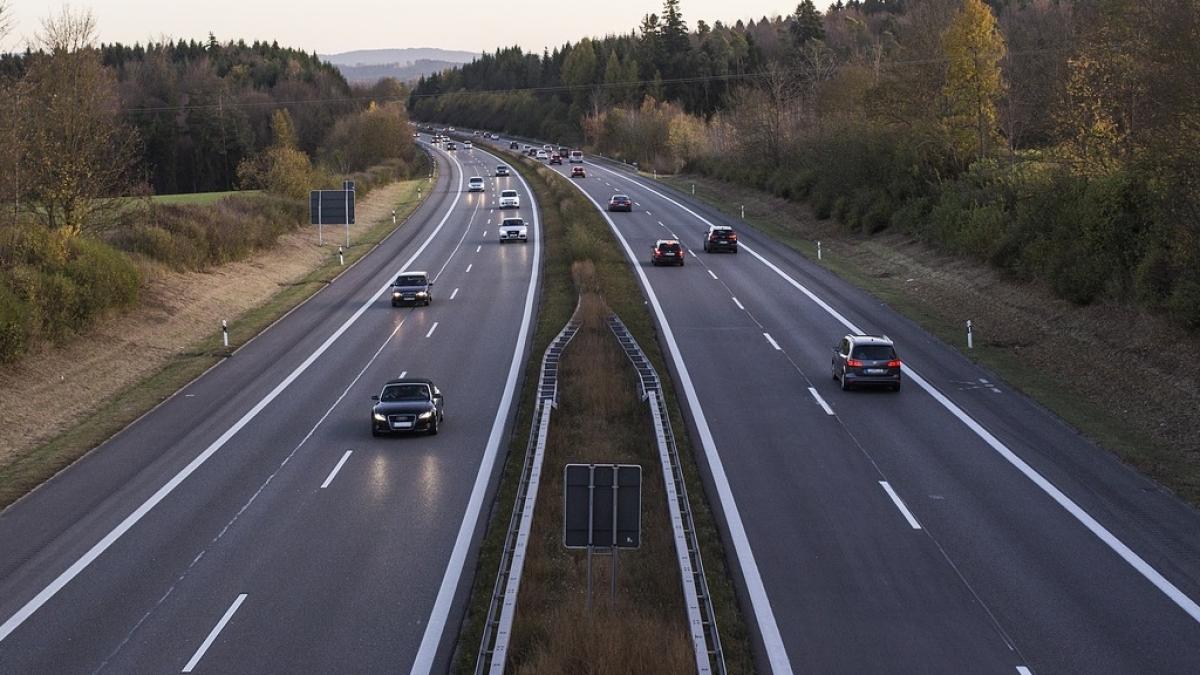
pixel 1058 140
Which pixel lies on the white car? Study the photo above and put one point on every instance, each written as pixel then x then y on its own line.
pixel 475 184
pixel 467 145
pixel 576 157
pixel 541 154
pixel 513 229
pixel 509 199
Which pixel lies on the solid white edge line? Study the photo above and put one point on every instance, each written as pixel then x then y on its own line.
pixel 132 519
pixel 761 604
pixel 454 294
pixel 212 635
pixel 436 626
pixel 900 505
pixel 336 469
pixel 431 329
pixel 820 401
pixel 738 303
pixel 1098 530
pixel 773 342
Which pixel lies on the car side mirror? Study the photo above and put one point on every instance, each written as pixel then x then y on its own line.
pixel 430 283
pixel 374 398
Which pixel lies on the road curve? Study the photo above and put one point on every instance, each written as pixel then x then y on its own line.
pixel 251 523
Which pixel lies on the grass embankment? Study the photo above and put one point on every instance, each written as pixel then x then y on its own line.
pixel 30 469
pixel 201 198
pixel 573 231
pixel 1025 335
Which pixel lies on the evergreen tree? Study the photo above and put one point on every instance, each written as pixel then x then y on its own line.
pixel 806 24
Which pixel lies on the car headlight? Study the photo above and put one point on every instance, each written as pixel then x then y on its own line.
pixel 395 294
pixel 378 417
pixel 425 415
pixel 421 294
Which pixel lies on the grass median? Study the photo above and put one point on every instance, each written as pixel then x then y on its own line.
pixel 573 232
pixel 29 469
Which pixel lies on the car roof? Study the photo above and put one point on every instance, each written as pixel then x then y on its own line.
pixel 512 220
pixel 410 380
pixel 620 196
pixel 413 273
pixel 860 339
pixel 660 242
pixel 478 178
pixel 721 227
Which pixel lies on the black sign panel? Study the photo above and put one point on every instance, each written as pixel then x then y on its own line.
pixel 602 505
pixel 331 207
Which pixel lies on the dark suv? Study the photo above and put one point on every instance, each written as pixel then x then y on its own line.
pixel 866 360
pixel 412 287
pixel 667 252
pixel 720 238
pixel 408 405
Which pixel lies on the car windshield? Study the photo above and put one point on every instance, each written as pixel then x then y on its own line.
pixel 405 392
pixel 672 248
pixel 513 222
pixel 620 198
pixel 874 352
pixel 508 193
pixel 410 280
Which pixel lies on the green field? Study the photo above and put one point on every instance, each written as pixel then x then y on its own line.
pixel 201 198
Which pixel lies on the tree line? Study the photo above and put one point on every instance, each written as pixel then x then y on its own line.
pixel 1056 139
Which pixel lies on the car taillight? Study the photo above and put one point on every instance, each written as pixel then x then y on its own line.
pixel 853 363
pixel 894 363
pixel 732 237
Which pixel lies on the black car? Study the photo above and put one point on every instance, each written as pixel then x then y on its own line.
pixel 620 203
pixel 667 252
pixel 720 238
pixel 866 360
pixel 412 287
pixel 514 146
pixel 408 405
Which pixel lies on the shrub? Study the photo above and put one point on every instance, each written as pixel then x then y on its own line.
pixel 14 325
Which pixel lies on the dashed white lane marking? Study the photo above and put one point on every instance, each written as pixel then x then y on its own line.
pixel 710 273
pixel 454 294
pixel 820 401
pixel 692 253
pixel 661 223
pixel 213 634
pixel 485 233
pixel 469 268
pixel 649 214
pixel 477 248
pixel 336 469
pixel 900 505
pixel 431 329
pixel 403 373
pixel 1022 670
pixel 739 304
pixel 772 341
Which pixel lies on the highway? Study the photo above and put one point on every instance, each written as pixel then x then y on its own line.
pixel 251 523
pixel 953 527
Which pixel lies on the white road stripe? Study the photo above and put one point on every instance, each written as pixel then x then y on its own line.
pixel 469 267
pixel 1022 670
pixel 710 273
pixel 455 293
pixel 140 512
pixel 739 304
pixel 661 223
pixel 337 467
pixel 403 373
pixel 772 341
pixel 1189 606
pixel 900 505
pixel 478 248
pixel 431 329
pixel 820 401
pixel 213 634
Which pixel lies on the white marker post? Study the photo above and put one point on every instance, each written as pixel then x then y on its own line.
pixel 970 336
pixel 225 333
pixel 394 210
pixel 341 257
pixel 693 189
pixel 743 211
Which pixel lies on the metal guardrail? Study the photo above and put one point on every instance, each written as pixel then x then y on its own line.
pixel 493 646
pixel 702 620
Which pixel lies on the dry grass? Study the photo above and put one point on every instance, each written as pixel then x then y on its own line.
pixel 600 419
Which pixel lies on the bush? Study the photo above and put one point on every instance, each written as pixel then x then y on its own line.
pixel 14 325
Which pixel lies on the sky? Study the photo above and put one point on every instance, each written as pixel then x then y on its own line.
pixel 331 27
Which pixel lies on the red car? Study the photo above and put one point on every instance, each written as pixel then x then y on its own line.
pixel 620 203
pixel 577 172
pixel 667 252
pixel 555 159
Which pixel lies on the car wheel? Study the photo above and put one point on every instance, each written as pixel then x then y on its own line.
pixel 845 386
pixel 433 427
pixel 427 301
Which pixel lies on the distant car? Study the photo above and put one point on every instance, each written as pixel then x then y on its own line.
pixel 720 238
pixel 475 184
pixel 526 148
pixel 556 159
pixel 495 137
pixel 541 155
pixel 412 287
pixel 406 406
pixel 514 146
pixel 866 360
pixel 451 146
pixel 620 203
pixel 467 145
pixel 509 199
pixel 416 134
pixel 576 157
pixel 667 252
pixel 513 229
pixel 578 172
pixel 450 129
pixel 502 170
pixel 563 150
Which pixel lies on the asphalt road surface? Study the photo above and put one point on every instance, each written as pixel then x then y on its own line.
pixel 953 527
pixel 251 523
